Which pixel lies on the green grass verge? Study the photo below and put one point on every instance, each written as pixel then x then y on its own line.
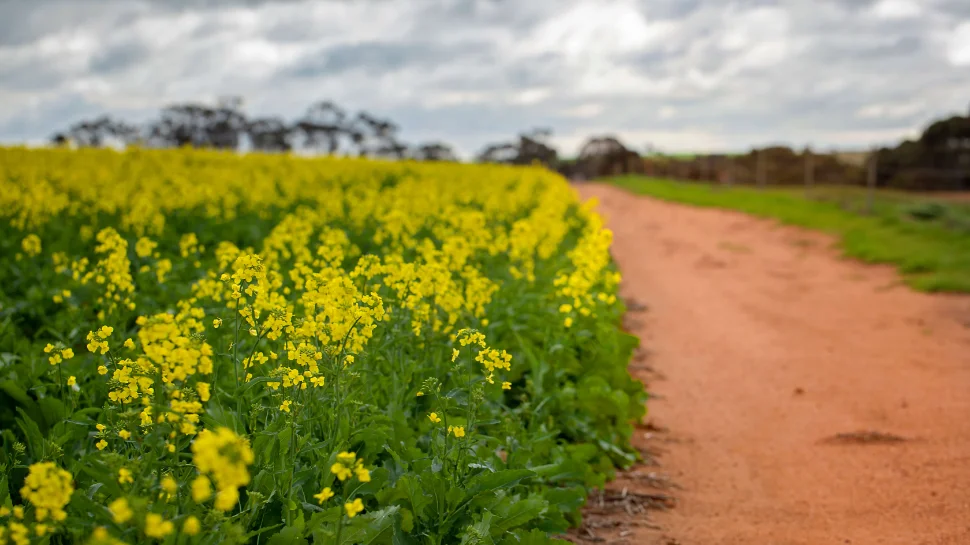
pixel 927 238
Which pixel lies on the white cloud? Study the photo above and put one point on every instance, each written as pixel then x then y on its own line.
pixel 456 99
pixel 758 38
pixel 594 31
pixel 958 48
pixel 892 111
pixel 530 96
pixel 896 9
pixel 679 74
pixel 745 29
pixel 584 111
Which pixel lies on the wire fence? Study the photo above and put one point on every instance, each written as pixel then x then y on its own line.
pixel 781 167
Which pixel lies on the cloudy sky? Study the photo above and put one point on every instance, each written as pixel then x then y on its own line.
pixel 682 75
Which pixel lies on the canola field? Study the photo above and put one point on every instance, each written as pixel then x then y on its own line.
pixel 200 347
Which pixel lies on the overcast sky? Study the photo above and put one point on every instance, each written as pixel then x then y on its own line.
pixel 683 75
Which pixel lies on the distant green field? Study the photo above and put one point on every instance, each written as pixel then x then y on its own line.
pixel 927 237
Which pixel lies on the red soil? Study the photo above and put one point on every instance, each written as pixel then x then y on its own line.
pixel 810 399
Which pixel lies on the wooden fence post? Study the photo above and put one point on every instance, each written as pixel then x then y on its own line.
pixel 809 170
pixel 760 173
pixel 873 171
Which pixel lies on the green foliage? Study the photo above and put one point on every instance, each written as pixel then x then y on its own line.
pixel 528 450
pixel 929 241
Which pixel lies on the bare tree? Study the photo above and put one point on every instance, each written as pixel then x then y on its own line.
pixel 270 134
pixel 607 156
pixel 98 132
pixel 530 147
pixel 322 127
pixel 434 151
pixel 199 125
pixel 375 137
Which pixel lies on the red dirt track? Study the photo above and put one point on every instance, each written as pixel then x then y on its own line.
pixel 773 359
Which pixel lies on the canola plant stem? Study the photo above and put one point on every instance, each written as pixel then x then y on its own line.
pixel 292 451
pixel 235 344
pixel 60 383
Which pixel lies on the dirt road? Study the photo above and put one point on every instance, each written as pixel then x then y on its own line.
pixel 809 399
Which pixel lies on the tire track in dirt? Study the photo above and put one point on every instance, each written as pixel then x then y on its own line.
pixel 811 399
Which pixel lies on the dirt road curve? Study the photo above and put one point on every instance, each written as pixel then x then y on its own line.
pixel 774 352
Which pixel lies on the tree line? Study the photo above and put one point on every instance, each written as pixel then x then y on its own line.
pixel 938 159
pixel 327 128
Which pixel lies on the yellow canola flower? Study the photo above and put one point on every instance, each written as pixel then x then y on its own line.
pixel 226 498
pixel 97 342
pixel 201 489
pixel 457 431
pixel 363 474
pixel 18 533
pixel 48 488
pixel 202 388
pixel 169 486
pixel 191 526
pixel 347 457
pixel 341 471
pixel 225 457
pixel 356 248
pixel 144 247
pixel 100 536
pixel 348 465
pixel 324 495
pixel 120 511
pixel 31 245
pixel 353 508
pixel 157 527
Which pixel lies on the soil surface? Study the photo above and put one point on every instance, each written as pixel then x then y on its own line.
pixel 810 399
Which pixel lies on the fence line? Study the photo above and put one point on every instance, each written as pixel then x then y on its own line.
pixel 809 169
